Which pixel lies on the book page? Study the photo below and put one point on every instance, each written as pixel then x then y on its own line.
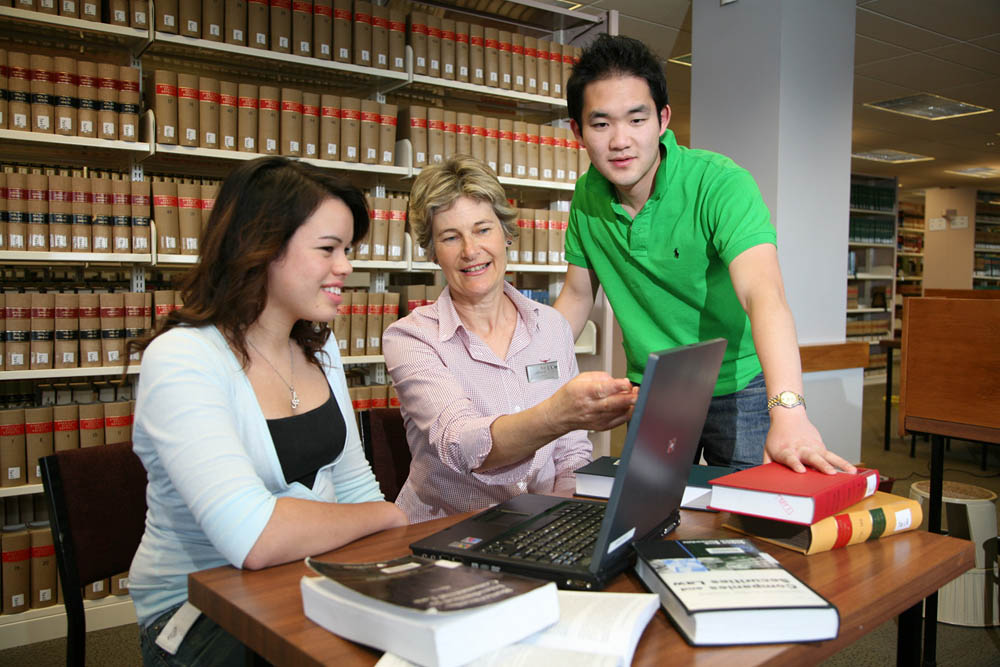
pixel 696 498
pixel 598 622
pixel 594 630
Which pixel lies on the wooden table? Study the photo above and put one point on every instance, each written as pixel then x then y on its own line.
pixel 869 583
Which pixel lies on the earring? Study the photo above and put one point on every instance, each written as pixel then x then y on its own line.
pixel 510 242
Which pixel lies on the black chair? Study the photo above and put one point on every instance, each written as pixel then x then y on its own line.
pixel 384 439
pixel 97 509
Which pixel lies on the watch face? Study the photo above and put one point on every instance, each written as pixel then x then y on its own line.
pixel 787 398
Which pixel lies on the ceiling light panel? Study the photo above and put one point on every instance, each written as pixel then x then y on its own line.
pixel 976 172
pixel 891 156
pixel 928 107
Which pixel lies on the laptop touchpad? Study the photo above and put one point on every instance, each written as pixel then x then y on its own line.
pixel 502 517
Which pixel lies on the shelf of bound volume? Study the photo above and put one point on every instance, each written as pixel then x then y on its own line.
pixel 986 249
pixel 872 266
pixel 38 625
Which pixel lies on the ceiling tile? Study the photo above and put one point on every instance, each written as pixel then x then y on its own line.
pixel 885 29
pixel 867 50
pixel 673 13
pixel 961 19
pixel 992 42
pixel 975 57
pixel 872 90
pixel 682 44
pixel 922 72
pixel 658 37
pixel 984 93
pixel 679 85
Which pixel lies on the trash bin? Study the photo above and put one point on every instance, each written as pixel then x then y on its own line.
pixel 969 513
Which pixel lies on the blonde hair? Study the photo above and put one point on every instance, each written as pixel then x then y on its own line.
pixel 439 186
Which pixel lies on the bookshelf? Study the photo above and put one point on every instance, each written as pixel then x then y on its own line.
pixel 909 257
pixel 871 265
pixel 986 249
pixel 33 31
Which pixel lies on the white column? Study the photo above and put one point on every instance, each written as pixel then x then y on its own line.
pixel 772 87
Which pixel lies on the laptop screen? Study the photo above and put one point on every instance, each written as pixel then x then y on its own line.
pixel 660 444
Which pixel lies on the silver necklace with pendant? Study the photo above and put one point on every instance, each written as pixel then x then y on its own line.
pixel 294 397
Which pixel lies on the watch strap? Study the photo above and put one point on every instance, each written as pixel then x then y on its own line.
pixel 775 400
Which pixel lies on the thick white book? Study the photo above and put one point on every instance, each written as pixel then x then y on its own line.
pixel 720 592
pixel 594 630
pixel 432 612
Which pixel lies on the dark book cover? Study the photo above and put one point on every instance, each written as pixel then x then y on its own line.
pixel 425 584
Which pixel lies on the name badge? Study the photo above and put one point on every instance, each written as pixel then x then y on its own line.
pixel 548 370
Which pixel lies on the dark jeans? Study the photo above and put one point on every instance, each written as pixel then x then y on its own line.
pixel 206 644
pixel 736 427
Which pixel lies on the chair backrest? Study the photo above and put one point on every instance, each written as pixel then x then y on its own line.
pixel 388 450
pixel 97 509
pixel 950 365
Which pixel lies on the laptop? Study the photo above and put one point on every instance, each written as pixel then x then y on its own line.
pixel 592 539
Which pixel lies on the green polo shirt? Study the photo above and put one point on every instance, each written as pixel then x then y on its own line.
pixel 666 273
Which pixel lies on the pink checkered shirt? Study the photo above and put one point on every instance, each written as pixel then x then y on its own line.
pixel 452 387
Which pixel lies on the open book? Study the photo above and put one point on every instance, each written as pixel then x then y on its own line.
pixel 594 630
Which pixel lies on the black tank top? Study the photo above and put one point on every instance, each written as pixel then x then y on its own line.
pixel 307 442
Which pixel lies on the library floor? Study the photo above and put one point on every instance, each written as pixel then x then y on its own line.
pixel 957 646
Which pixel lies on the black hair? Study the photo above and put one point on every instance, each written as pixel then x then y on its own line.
pixel 610 56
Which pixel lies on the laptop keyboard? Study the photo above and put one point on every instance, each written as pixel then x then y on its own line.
pixel 566 540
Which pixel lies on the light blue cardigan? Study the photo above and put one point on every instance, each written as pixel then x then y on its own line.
pixel 214 476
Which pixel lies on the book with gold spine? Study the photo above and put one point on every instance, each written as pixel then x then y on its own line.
pixel 877 516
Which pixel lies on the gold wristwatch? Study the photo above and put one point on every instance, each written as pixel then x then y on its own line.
pixel 786 399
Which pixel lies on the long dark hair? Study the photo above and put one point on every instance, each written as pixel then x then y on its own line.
pixel 259 206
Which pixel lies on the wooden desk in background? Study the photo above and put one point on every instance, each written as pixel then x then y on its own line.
pixel 869 583
pixel 948 389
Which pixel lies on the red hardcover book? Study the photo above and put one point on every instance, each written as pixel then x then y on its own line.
pixel 775 491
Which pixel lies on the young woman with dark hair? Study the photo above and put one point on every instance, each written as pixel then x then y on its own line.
pixel 242 419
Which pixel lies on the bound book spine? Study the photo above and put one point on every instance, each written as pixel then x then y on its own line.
pixel 836 499
pixel 854 527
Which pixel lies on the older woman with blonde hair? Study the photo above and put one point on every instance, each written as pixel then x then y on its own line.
pixel 491 396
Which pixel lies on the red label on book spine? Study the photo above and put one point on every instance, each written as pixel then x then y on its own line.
pixel 16 556
pixel 844 531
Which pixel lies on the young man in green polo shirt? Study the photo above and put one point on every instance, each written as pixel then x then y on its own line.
pixel 684 247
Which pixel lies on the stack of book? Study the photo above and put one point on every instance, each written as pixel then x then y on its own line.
pixel 727 591
pixel 812 512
